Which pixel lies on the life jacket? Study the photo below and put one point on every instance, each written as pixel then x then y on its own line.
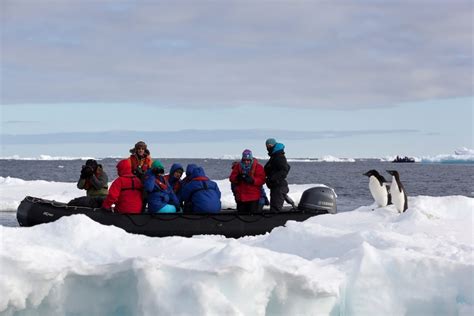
pixel 176 185
pixel 140 164
pixel 162 185
pixel 133 186
pixel 200 194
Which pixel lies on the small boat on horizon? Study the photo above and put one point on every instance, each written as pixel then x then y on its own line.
pixel 403 159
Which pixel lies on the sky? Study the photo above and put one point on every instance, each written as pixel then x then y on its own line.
pixel 209 78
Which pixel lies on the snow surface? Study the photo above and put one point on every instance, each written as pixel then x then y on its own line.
pixel 13 191
pixel 361 262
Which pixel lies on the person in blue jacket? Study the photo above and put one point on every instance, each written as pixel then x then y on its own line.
pixel 174 177
pixel 161 197
pixel 189 170
pixel 199 194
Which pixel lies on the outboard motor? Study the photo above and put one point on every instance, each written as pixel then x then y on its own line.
pixel 318 199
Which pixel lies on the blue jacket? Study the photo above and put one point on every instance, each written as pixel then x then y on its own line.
pixel 175 183
pixel 159 196
pixel 200 195
pixel 172 180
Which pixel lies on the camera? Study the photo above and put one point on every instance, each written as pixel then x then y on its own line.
pixel 87 171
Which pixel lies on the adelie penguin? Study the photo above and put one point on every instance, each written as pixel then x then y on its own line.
pixel 378 188
pixel 399 196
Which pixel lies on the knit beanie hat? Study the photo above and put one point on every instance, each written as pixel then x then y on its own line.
pixel 270 141
pixel 247 154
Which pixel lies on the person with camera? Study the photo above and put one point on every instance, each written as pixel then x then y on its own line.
pixel 247 178
pixel 161 197
pixel 94 180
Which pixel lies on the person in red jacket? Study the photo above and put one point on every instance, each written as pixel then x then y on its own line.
pixel 126 191
pixel 247 178
pixel 140 159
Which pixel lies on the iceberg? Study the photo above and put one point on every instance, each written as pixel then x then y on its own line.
pixel 461 155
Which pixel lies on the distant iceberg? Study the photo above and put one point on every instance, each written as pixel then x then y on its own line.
pixel 461 155
pixel 45 157
pixel 464 151
pixel 327 158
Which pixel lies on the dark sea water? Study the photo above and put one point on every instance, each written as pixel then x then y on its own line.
pixel 433 179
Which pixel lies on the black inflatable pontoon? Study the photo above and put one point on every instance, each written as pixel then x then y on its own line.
pixel 33 211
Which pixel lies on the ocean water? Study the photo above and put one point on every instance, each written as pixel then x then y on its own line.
pixel 346 178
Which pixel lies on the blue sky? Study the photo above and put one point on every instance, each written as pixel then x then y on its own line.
pixel 208 79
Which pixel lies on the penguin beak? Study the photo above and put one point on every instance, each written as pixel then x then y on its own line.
pixel 366 174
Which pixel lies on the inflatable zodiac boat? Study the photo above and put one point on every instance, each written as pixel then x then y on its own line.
pixel 314 201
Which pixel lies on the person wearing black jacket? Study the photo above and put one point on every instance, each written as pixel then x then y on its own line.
pixel 276 170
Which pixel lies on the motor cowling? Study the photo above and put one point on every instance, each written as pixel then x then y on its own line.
pixel 319 199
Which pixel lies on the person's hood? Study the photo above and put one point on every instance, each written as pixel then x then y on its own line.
pixel 174 167
pixel 279 147
pixel 197 172
pixel 189 169
pixel 124 168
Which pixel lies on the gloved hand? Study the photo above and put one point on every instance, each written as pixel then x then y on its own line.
pixel 242 176
pixel 246 178
pixel 249 180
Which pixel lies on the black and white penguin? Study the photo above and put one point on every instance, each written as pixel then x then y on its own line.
pixel 399 196
pixel 378 188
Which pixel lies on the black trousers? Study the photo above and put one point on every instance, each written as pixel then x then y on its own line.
pixel 87 201
pixel 277 198
pixel 247 207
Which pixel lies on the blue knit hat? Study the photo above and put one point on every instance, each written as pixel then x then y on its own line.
pixel 270 141
pixel 247 154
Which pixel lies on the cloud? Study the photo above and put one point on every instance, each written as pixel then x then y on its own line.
pixel 195 54
pixel 188 136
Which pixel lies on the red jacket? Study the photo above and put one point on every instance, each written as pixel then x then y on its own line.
pixel 126 191
pixel 142 164
pixel 245 192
